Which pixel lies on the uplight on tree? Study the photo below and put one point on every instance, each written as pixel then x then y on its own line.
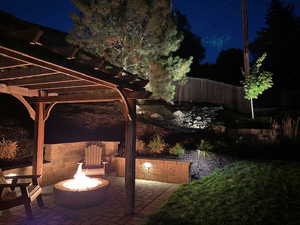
pixel 139 36
pixel 258 80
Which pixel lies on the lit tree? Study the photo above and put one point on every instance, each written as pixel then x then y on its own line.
pixel 139 36
pixel 257 80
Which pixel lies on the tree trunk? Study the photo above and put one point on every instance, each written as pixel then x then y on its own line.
pixel 246 45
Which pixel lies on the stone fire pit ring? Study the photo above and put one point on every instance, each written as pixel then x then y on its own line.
pixel 74 198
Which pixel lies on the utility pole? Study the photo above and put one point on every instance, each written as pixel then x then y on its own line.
pixel 246 45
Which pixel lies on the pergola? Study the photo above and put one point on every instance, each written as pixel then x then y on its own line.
pixel 40 74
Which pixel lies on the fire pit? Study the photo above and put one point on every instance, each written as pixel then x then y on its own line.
pixel 81 191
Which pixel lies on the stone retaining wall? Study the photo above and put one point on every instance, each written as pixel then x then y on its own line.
pixel 263 135
pixel 63 158
pixel 164 170
pixel 62 162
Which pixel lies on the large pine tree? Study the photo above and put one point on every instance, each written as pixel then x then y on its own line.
pixel 191 45
pixel 139 36
pixel 280 40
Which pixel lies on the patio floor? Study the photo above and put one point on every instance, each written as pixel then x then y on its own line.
pixel 149 196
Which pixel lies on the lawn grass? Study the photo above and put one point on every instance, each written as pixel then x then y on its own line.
pixel 244 193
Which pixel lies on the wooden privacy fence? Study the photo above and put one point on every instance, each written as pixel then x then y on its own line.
pixel 209 91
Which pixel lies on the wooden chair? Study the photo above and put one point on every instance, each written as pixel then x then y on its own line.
pixel 29 192
pixel 93 164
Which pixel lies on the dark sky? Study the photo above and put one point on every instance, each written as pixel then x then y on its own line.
pixel 218 22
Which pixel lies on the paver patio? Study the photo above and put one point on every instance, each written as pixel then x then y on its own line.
pixel 149 196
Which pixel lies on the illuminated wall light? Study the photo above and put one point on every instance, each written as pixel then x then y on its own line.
pixel 147 165
pixel 11 175
pixel 9 181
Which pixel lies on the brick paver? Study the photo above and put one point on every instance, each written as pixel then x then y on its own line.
pixel 149 196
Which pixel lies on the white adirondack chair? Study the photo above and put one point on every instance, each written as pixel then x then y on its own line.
pixel 93 164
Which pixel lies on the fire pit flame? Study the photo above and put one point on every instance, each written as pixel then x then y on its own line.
pixel 81 182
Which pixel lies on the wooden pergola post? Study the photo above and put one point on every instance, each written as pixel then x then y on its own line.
pixel 130 145
pixel 39 134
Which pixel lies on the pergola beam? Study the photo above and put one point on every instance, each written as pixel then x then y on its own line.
pixel 16 90
pixel 80 98
pixel 73 83
pixel 68 90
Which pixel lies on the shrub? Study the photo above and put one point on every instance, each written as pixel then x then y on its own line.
pixel 157 145
pixel 155 107
pixel 141 148
pixel 8 149
pixel 177 150
pixel 205 147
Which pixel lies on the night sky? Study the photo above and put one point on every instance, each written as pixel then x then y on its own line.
pixel 218 22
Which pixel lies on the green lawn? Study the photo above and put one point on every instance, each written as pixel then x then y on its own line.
pixel 244 193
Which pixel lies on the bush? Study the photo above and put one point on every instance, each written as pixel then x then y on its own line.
pixel 160 109
pixel 8 149
pixel 177 150
pixel 141 148
pixel 157 145
pixel 239 194
pixel 205 148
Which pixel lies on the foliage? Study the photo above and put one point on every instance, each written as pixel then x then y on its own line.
pixel 139 36
pixel 218 144
pixel 228 66
pixel 141 148
pixel 237 195
pixel 157 145
pixel 281 24
pixel 258 80
pixel 177 150
pixel 11 130
pixel 191 44
pixel 205 147
pixel 163 110
pixel 8 149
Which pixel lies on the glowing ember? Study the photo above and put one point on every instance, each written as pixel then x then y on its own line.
pixel 81 182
